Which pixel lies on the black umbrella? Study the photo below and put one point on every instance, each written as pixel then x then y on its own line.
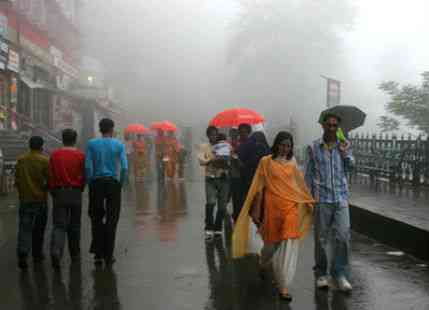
pixel 351 116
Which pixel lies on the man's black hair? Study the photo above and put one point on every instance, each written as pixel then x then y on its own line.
pixel 36 143
pixel 69 136
pixel 331 115
pixel 106 125
pixel 221 137
pixel 246 127
pixel 210 129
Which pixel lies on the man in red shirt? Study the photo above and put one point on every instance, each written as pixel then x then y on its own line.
pixel 66 183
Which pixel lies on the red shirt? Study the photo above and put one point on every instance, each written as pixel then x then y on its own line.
pixel 67 168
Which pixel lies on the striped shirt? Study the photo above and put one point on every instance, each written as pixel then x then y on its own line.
pixel 326 172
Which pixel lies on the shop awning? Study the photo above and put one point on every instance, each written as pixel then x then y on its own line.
pixel 31 83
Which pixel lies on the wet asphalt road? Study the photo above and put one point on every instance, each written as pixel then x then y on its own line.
pixel 164 263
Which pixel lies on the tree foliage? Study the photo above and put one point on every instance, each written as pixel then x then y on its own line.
pixel 388 124
pixel 410 102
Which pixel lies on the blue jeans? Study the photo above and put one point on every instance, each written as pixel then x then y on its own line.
pixel 31 230
pixel 217 191
pixel 332 225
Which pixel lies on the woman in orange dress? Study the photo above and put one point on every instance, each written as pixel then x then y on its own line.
pixel 171 155
pixel 280 204
pixel 139 157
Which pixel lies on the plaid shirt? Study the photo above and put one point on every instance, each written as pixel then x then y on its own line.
pixel 326 172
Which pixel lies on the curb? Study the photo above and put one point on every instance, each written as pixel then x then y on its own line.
pixel 397 234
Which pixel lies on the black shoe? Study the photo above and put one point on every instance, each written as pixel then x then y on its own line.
pixel 37 259
pixel 98 260
pixel 286 297
pixel 55 263
pixel 22 263
pixel 75 259
pixel 109 261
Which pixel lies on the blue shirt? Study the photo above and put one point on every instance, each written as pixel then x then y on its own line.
pixel 102 158
pixel 326 172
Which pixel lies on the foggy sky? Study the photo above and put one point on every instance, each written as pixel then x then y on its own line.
pixel 172 59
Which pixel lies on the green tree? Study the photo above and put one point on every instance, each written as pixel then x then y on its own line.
pixel 411 102
pixel 388 124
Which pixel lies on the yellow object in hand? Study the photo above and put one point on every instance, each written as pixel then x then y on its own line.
pixel 340 135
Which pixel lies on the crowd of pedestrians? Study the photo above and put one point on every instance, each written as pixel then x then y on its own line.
pixel 271 196
pixel 64 176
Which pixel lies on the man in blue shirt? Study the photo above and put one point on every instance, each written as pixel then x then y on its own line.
pixel 101 161
pixel 328 162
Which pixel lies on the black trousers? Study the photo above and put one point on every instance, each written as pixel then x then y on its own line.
pixel 66 217
pixel 104 211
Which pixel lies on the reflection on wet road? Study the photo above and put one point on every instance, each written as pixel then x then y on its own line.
pixel 164 263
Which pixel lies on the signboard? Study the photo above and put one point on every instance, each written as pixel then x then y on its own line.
pixel 58 61
pixel 4 49
pixel 3 26
pixel 333 92
pixel 13 63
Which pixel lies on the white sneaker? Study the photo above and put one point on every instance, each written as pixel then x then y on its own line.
pixel 322 282
pixel 209 233
pixel 344 285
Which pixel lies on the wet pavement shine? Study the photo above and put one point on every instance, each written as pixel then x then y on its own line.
pixel 163 262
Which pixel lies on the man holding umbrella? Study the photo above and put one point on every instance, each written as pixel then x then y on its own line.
pixel 328 160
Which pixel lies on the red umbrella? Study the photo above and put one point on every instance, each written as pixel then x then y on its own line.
pixel 136 128
pixel 235 117
pixel 164 126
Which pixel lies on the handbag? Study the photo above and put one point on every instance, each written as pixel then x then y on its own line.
pixel 256 211
pixel 257 208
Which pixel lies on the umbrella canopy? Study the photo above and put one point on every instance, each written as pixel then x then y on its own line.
pixel 351 117
pixel 235 117
pixel 136 128
pixel 164 126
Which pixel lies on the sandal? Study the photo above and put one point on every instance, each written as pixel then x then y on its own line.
pixel 286 297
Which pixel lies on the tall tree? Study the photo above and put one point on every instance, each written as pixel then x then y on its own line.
pixel 410 102
pixel 388 124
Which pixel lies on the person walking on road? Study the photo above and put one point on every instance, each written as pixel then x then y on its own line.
pixel 31 181
pixel 66 183
pixel 216 184
pixel 250 153
pixel 326 170
pixel 281 205
pixel 235 186
pixel 103 156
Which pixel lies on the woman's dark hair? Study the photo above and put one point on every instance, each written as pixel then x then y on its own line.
pixel 221 137
pixel 259 138
pixel 282 136
pixel 69 137
pixel 210 129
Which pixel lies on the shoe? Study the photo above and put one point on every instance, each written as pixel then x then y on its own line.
pixel 38 259
pixel 98 260
pixel 286 297
pixel 22 262
pixel 75 259
pixel 109 261
pixel 209 233
pixel 344 285
pixel 55 263
pixel 322 282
